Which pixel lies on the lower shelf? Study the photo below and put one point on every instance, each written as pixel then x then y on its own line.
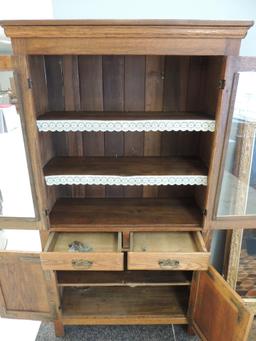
pixel 117 213
pixel 125 305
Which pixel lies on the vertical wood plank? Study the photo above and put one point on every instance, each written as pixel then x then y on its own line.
pixel 37 69
pixel 196 84
pixel 154 76
pixel 55 83
pixel 91 87
pixel 175 99
pixel 134 83
pixel 94 146
pixel 176 83
pixel 91 91
pixel 134 94
pixel 176 191
pixel 180 143
pixel 71 83
pixel 74 141
pixel 113 100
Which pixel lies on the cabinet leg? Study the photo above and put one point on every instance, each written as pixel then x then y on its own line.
pixel 59 328
pixel 190 331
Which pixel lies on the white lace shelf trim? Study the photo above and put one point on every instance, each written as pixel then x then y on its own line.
pixel 117 180
pixel 126 125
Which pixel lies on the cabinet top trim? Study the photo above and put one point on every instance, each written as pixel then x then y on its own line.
pixel 136 22
pixel 125 28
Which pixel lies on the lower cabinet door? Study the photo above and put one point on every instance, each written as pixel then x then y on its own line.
pixel 167 251
pixel 24 287
pixel 83 251
pixel 216 311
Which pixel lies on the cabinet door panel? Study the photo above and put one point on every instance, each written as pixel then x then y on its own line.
pixel 235 188
pixel 24 287
pixel 218 312
pixel 16 201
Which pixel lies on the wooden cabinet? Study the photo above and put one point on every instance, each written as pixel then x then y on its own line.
pixel 128 125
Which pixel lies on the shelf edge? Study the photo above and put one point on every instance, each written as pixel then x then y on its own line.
pixel 125 125
pixel 116 180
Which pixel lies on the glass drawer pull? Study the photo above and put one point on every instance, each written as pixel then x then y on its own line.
pixel 81 263
pixel 168 262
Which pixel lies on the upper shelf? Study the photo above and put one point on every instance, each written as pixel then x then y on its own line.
pixel 127 171
pixel 125 121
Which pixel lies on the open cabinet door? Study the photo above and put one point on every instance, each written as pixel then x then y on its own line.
pixel 24 287
pixel 17 190
pixel 26 291
pixel 233 186
pixel 218 312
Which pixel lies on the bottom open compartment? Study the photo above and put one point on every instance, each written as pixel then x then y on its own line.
pixel 125 305
pixel 127 297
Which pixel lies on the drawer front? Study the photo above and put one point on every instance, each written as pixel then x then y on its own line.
pixel 82 261
pixel 168 261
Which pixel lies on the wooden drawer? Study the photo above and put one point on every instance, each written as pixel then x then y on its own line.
pixel 167 251
pixel 104 252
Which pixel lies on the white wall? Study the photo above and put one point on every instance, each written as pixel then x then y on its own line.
pixel 135 9
pixel 25 9
pixel 162 9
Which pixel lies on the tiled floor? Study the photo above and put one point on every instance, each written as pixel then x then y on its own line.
pixel 122 333
pixel 23 330
pixel 117 333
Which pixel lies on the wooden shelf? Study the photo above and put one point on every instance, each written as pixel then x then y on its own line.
pixel 125 121
pixel 125 213
pixel 124 278
pixel 125 171
pixel 127 305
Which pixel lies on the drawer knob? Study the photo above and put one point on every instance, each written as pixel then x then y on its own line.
pixel 81 263
pixel 168 262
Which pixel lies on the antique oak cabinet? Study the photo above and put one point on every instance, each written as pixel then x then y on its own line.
pixel 127 127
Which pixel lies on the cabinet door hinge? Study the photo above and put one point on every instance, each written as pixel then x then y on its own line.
pixel 205 212
pixel 221 84
pixel 29 83
pixel 46 212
